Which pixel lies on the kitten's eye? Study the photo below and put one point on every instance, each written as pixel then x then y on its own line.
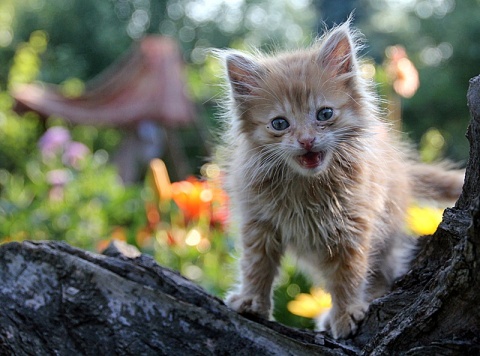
pixel 324 114
pixel 280 124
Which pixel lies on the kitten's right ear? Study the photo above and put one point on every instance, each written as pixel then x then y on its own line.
pixel 338 50
pixel 243 73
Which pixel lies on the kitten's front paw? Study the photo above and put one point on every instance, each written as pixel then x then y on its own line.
pixel 250 304
pixel 342 325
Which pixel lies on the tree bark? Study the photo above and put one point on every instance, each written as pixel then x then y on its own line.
pixel 56 299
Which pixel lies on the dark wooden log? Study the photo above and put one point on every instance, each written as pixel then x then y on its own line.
pixel 434 309
pixel 56 299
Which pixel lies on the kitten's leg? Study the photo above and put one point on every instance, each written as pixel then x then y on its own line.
pixel 259 266
pixel 346 283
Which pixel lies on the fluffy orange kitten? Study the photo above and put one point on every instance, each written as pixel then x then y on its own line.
pixel 311 168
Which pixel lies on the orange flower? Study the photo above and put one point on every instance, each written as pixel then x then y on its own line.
pixel 153 215
pixel 193 197
pixel 161 179
pixel 196 198
pixel 403 72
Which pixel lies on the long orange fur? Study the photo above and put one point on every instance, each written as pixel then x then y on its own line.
pixel 332 190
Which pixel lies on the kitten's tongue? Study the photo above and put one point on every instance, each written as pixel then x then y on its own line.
pixel 311 159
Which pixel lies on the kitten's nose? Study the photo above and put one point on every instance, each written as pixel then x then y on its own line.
pixel 306 142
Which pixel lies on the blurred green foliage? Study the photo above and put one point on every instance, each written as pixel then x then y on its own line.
pixel 81 201
pixel 58 202
pixel 442 39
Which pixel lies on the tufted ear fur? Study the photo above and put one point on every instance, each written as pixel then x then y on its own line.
pixel 243 73
pixel 338 51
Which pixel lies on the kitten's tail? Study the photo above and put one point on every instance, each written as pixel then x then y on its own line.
pixel 436 182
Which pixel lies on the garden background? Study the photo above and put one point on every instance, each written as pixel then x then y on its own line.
pixel 58 182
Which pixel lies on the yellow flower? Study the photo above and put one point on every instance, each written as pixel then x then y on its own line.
pixel 310 305
pixel 423 220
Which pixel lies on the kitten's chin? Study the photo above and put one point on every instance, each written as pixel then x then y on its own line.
pixel 311 163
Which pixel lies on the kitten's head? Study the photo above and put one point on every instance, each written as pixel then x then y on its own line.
pixel 305 109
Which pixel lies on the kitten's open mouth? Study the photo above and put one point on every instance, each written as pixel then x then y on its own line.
pixel 311 159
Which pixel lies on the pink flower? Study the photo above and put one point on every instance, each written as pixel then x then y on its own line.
pixel 58 177
pixel 53 141
pixel 74 154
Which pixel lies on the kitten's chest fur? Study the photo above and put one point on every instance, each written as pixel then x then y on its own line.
pixel 309 215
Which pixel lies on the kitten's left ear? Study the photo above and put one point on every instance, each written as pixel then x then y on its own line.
pixel 338 50
pixel 244 74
